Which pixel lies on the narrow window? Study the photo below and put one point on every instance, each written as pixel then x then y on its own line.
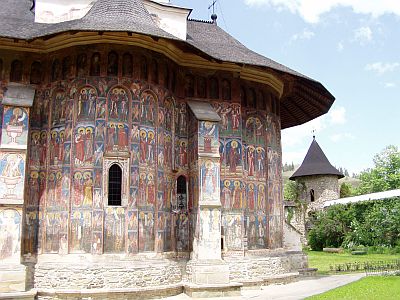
pixel 312 195
pixel 127 67
pixel 36 72
pixel 189 86
pixel 214 88
pixel 112 66
pixel 181 193
pixel 16 71
pixel 154 71
pixel 143 68
pixel 114 185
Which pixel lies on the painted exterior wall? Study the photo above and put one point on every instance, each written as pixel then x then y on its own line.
pixel 103 103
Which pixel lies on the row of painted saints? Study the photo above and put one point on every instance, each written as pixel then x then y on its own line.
pixel 155 130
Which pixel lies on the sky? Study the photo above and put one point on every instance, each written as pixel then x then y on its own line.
pixel 351 46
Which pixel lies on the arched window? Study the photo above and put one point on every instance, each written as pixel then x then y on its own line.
pixel 112 64
pixel 154 71
pixel 36 72
pixel 181 193
pixel 312 196
pixel 95 64
pixel 127 67
pixel 143 68
pixel 214 88
pixel 114 185
pixel 66 68
pixel 189 86
pixel 226 89
pixel 16 71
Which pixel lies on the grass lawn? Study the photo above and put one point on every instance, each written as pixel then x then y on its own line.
pixel 384 287
pixel 323 260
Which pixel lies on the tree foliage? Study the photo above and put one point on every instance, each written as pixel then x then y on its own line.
pixel 346 190
pixel 372 223
pixel 385 175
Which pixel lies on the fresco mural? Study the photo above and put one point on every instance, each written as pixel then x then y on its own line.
pixel 75 125
pixel 12 177
pixel 15 128
pixel 10 235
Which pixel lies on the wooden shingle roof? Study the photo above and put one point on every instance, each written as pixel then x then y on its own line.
pixel 305 100
pixel 315 163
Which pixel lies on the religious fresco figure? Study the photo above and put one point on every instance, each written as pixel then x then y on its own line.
pixel 226 195
pixel 10 236
pixel 15 127
pixel 81 231
pixel 250 160
pixel 237 195
pixel 234 156
pixel 86 103
pixel 148 108
pixel 12 170
pixel 150 191
pixel 209 179
pixel 87 189
pixel 261 204
pixel 118 104
pixel 250 196
pixel 146 231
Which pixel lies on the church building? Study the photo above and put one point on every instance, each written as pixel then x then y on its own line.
pixel 140 152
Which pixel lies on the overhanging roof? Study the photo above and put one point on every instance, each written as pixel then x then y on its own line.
pixel 305 100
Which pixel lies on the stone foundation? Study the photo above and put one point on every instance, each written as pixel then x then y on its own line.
pixel 114 277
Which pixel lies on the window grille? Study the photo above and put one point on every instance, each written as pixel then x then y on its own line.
pixel 114 185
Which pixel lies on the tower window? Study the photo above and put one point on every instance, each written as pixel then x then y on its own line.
pixel 312 197
pixel 114 185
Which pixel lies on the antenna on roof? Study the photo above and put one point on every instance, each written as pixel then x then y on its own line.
pixel 313 132
pixel 214 15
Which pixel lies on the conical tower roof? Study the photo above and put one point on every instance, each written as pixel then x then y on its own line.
pixel 315 163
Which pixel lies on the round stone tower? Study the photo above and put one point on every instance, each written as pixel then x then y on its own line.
pixel 318 181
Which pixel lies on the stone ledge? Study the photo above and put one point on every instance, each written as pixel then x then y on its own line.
pixel 212 290
pixel 281 278
pixel 29 295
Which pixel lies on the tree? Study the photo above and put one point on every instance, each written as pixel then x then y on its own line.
pixel 346 190
pixel 385 175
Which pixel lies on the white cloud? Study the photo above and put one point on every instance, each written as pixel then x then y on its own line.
pixel 381 68
pixel 363 35
pixel 341 136
pixel 337 116
pixel 389 85
pixel 306 34
pixel 340 47
pixel 311 10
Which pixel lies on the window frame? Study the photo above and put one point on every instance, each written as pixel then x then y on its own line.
pixel 123 163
